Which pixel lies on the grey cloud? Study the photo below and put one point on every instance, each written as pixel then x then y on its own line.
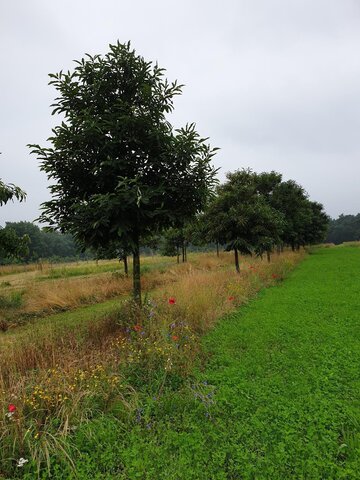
pixel 274 83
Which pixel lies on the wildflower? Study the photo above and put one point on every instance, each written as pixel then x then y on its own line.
pixel 137 328
pixel 175 338
pixel 173 325
pixel 274 276
pixel 21 462
pixel 172 301
pixel 11 408
pixel 231 299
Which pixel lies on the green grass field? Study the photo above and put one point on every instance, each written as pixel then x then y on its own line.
pixel 278 397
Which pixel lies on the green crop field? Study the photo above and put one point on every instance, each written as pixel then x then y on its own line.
pixel 278 397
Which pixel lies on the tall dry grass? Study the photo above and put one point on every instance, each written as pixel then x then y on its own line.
pixel 203 290
pixel 42 296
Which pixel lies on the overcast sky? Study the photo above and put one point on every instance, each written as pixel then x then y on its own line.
pixel 274 83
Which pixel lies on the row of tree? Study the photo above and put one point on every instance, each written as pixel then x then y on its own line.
pixel 123 175
pixel 253 213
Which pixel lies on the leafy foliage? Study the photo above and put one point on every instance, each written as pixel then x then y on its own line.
pixel 346 228
pixel 12 245
pixel 43 244
pixel 241 218
pixel 9 192
pixel 120 170
pixel 305 221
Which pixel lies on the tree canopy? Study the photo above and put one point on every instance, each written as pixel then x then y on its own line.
pixel 241 218
pixel 43 244
pixel 345 228
pixel 253 212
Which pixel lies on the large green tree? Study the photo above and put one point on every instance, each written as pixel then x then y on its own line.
pixel 241 218
pixel 120 171
pixel 317 224
pixel 305 221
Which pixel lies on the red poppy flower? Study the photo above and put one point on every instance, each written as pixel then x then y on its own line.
pixel 11 408
pixel 137 328
pixel 175 338
pixel 172 301
pixel 274 275
pixel 231 299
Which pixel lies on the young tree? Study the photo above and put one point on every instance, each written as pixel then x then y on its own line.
pixel 120 170
pixel 114 251
pixel 172 243
pixel 241 218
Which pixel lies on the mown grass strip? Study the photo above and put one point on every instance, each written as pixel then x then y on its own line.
pixel 64 321
pixel 279 398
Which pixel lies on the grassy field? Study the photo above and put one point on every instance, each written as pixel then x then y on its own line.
pixel 278 397
pixel 106 369
pixel 31 291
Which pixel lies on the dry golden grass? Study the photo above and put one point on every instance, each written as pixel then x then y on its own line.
pixel 211 289
pixel 79 284
pixel 204 289
pixel 71 293
pixel 42 295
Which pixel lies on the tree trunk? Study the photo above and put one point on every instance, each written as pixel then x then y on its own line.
pixel 183 252
pixel 237 266
pixel 126 270
pixel 217 249
pixel 177 254
pixel 293 246
pixel 268 256
pixel 136 273
pixel 278 249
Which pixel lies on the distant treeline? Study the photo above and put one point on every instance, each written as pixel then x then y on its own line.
pixel 41 244
pixel 346 228
pixel 54 246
